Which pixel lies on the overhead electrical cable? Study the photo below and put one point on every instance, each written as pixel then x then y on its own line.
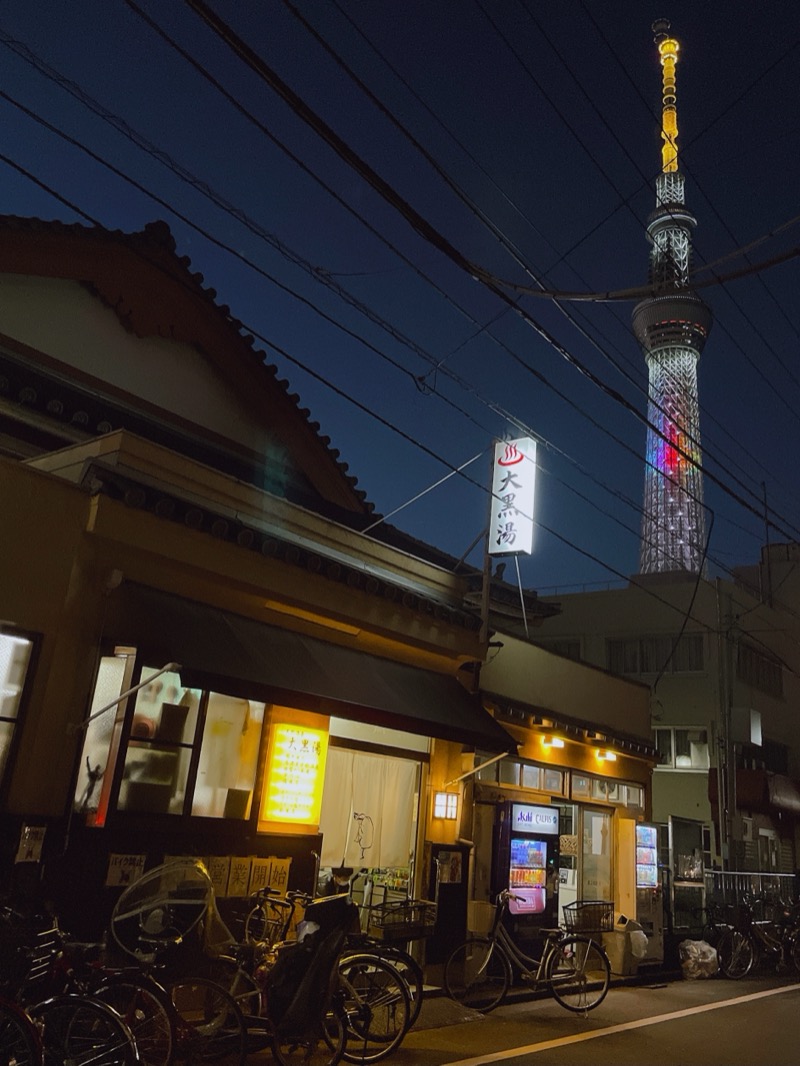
pixel 436 117
pixel 491 405
pixel 202 70
pixel 708 199
pixel 456 188
pixel 369 410
pixel 165 159
pixel 469 202
pixel 422 226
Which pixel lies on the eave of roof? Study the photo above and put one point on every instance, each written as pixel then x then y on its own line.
pixel 153 292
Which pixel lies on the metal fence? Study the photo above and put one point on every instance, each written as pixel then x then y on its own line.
pixel 729 888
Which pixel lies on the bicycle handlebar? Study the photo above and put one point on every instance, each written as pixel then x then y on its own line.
pixel 507 894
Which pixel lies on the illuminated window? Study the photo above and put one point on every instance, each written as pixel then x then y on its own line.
pixel 445 805
pixel 15 657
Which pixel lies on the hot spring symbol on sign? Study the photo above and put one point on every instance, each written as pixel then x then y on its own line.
pixel 513 485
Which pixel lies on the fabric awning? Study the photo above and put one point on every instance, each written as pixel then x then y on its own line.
pixel 240 656
pixel 759 790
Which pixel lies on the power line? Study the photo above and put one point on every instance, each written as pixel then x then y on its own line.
pixel 419 223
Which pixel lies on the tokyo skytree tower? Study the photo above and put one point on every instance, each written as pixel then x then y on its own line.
pixel 672 327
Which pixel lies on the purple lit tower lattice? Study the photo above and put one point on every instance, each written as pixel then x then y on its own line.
pixel 672 326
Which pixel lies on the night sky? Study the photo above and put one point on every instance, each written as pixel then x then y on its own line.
pixel 530 142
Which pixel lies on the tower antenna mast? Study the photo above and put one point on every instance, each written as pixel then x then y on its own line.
pixel 672 327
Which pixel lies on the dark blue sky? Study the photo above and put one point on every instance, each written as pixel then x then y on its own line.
pixel 546 121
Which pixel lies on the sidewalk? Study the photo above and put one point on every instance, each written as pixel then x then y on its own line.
pixel 438 1010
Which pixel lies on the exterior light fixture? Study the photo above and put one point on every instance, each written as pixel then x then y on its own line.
pixel 445 805
pixel 552 742
pixel 606 756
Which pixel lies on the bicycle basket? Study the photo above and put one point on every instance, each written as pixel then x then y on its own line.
pixel 589 916
pixel 407 919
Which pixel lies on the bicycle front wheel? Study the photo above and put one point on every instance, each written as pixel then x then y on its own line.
pixel 736 954
pixel 19 1038
pixel 324 1048
pixel 211 1027
pixel 478 974
pixel 578 973
pixel 377 1005
pixel 408 968
pixel 83 1031
pixel 146 1010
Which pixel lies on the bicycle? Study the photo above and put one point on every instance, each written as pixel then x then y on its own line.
pixel 20 1039
pixel 74 1027
pixel 270 918
pixel 743 946
pixel 574 967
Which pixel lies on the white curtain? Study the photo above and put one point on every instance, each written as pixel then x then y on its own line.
pixel 367 810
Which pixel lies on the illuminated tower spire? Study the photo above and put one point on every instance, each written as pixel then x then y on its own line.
pixel 672 327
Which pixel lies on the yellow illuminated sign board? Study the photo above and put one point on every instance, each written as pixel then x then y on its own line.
pixel 295 774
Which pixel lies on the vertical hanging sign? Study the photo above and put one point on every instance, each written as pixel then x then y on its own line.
pixel 513 484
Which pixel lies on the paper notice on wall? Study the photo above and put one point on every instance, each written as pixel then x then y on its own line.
pixel 31 839
pixel 124 869
pixel 239 877
pixel 219 870
pixel 271 872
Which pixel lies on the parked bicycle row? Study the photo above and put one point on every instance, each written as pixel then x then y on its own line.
pixel 183 991
pixel 172 985
pixel 744 943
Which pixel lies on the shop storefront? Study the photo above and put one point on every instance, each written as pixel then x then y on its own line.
pixel 589 809
pixel 266 752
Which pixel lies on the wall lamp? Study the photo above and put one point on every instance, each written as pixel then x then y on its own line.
pixel 605 755
pixel 552 742
pixel 445 805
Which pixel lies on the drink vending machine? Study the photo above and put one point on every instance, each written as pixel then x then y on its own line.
pixel 649 897
pixel 526 862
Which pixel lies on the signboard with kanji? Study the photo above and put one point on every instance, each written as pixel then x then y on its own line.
pixel 513 484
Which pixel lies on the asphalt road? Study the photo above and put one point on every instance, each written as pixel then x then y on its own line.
pixel 683 1023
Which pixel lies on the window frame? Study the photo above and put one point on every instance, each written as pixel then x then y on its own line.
pixel 656 653
pixel 672 764
pixel 142 668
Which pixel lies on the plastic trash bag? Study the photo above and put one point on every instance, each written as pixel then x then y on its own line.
pixel 639 942
pixel 698 959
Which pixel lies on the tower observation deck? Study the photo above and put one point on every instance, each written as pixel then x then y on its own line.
pixel 672 327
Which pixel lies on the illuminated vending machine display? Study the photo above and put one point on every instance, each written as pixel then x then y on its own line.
pixel 646 856
pixel 649 901
pixel 526 862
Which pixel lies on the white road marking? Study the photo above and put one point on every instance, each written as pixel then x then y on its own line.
pixel 641 1023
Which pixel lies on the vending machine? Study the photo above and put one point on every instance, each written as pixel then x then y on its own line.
pixel 649 896
pixel 526 862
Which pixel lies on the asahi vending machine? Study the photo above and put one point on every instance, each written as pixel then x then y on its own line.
pixel 526 863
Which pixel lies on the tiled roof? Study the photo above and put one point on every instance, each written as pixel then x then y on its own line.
pixel 70 250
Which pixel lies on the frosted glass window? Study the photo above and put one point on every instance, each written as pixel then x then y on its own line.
pixel 159 752
pixel 226 772
pixel 15 656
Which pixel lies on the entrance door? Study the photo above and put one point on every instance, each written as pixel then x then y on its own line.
pixel 595 869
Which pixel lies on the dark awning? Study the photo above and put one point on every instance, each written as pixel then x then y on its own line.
pixel 759 790
pixel 240 656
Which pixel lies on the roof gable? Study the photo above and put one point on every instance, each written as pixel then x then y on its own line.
pixel 153 293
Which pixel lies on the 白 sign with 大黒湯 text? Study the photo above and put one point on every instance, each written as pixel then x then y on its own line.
pixel 513 485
